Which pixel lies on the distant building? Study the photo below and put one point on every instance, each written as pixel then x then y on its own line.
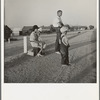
pixel 7 32
pixel 67 26
pixel 16 31
pixel 26 30
pixel 75 28
pixel 46 29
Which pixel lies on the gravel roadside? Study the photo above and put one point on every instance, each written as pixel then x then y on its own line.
pixel 47 69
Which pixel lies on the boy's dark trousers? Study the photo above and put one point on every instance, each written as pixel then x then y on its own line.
pixel 58 36
pixel 36 51
pixel 64 54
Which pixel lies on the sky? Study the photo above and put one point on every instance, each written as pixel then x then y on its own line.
pixel 19 13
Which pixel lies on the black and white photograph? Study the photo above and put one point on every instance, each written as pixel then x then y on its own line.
pixel 50 41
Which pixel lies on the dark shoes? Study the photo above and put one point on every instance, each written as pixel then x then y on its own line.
pixel 68 64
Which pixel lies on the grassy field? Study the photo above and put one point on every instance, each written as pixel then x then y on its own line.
pixel 47 69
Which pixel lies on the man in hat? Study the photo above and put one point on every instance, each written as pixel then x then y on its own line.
pixel 57 23
pixel 37 43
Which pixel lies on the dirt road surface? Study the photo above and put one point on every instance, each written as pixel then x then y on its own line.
pixel 47 69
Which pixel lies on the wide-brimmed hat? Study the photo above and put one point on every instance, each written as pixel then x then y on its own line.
pixel 35 27
pixel 64 29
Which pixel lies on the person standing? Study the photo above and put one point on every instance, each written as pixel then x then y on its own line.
pixel 57 24
pixel 64 46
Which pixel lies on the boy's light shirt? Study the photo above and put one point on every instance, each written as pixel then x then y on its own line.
pixel 65 40
pixel 57 21
pixel 32 37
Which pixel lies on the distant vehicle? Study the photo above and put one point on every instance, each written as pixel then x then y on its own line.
pixel 91 27
pixel 26 30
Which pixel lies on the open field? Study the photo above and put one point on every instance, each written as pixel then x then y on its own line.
pixel 47 69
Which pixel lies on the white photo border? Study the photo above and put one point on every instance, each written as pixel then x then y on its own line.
pixel 55 91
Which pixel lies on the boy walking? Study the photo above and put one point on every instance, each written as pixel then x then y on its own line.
pixel 58 24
